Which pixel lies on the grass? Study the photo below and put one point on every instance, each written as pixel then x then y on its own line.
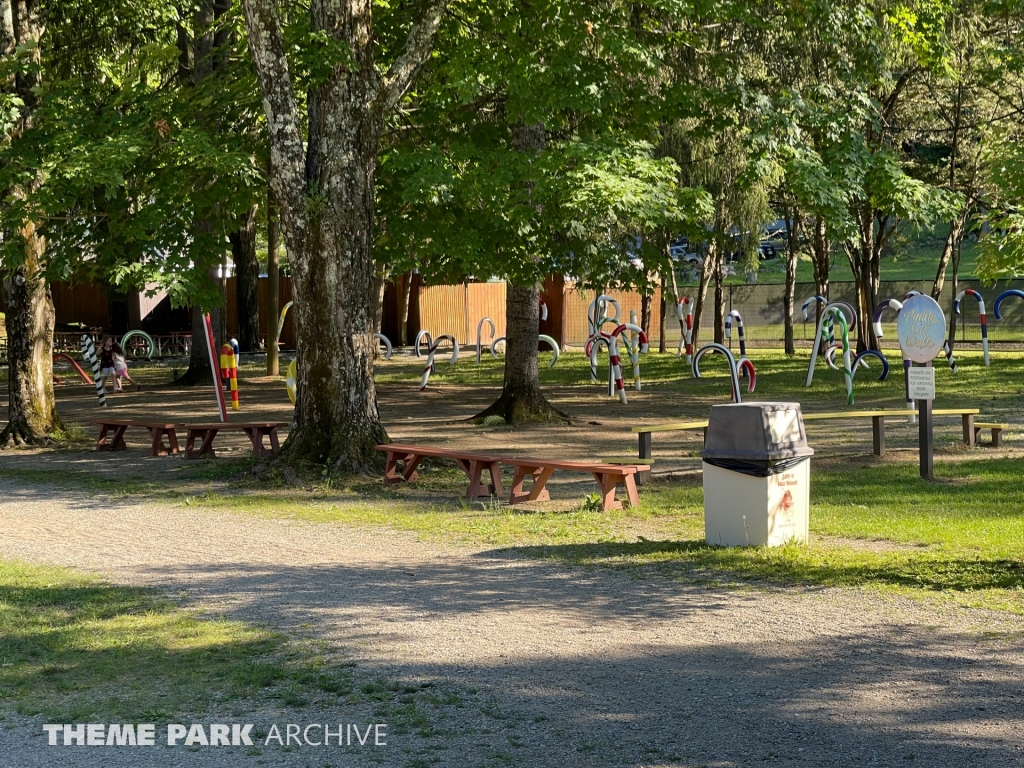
pixel 74 648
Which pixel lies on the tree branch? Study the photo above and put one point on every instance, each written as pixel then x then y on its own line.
pixel 415 54
pixel 286 150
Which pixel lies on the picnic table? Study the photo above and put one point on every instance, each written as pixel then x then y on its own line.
pixel 157 430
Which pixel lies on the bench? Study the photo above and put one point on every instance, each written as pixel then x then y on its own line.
pixel 643 466
pixel 473 464
pixel 997 431
pixel 644 433
pixel 877 423
pixel 157 431
pixel 608 477
pixel 966 415
pixel 255 431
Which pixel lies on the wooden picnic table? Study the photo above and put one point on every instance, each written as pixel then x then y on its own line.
pixel 255 431
pixel 608 477
pixel 157 430
pixel 473 464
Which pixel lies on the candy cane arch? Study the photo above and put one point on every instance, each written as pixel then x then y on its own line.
pixel 876 321
pixel 739 332
pixel 420 337
pixel 684 311
pixel 388 349
pixel 480 337
pixel 89 356
pixel 837 313
pixel 229 372
pixel 211 350
pixel 430 357
pixel 859 360
pixel 595 318
pixel 737 395
pixel 280 320
pixel 554 348
pixel 811 300
pixel 981 316
pixel 644 346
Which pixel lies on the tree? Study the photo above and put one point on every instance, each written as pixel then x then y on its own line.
pixel 324 189
pixel 247 275
pixel 32 411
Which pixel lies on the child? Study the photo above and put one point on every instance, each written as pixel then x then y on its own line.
pixel 121 369
pixel 107 362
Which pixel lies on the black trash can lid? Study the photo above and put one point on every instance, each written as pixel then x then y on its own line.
pixel 761 432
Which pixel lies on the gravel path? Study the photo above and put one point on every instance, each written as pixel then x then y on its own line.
pixel 576 667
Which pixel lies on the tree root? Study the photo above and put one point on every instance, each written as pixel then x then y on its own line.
pixel 17 434
pixel 515 409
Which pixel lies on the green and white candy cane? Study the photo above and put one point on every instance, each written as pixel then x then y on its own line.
pixel 150 344
pixel 829 313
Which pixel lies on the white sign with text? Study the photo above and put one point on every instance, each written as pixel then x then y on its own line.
pixel 921 382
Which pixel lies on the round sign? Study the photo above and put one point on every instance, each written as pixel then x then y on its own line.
pixel 921 328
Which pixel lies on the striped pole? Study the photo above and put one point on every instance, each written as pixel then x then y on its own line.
pixel 210 344
pixel 89 356
pixel 229 372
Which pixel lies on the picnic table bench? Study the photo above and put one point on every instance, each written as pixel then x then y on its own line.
pixel 997 431
pixel 608 477
pixel 877 417
pixel 473 464
pixel 255 431
pixel 157 430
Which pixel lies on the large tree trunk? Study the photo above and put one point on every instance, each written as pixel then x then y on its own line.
pixel 789 297
pixel 953 240
pixel 404 298
pixel 521 398
pixel 31 411
pixel 273 286
pixel 324 188
pixel 707 270
pixel 247 281
pixel 198 371
pixel 663 308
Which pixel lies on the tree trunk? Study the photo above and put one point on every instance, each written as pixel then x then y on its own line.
pixel 324 187
pixel 661 321
pixel 31 411
pixel 707 269
pixel 521 398
pixel 273 287
pixel 404 297
pixel 645 311
pixel 198 371
pixel 953 240
pixel 247 281
pixel 719 307
pixel 789 297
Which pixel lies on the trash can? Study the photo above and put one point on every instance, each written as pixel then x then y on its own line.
pixel 757 475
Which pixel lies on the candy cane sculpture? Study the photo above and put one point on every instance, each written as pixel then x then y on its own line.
pixel 430 357
pixel 210 344
pixel 837 313
pixel 388 349
pixel 737 395
pixel 615 364
pixel 981 316
pixel 859 360
pixel 229 372
pixel 684 311
pixel 289 381
pixel 876 319
pixel 643 346
pixel 554 348
pixel 543 308
pixel 591 351
pixel 811 300
pixel 739 332
pixel 595 313
pixel 480 336
pixel 89 356
pixel 420 337
pixel 280 320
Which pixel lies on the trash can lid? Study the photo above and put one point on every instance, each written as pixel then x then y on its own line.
pixel 756 432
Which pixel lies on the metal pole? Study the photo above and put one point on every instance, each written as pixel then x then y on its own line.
pixel 924 410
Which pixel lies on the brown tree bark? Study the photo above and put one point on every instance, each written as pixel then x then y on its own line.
pixel 31 412
pixel 707 270
pixel 324 188
pixel 521 397
pixel 719 307
pixel 789 296
pixel 661 320
pixel 273 286
pixel 247 281
pixel 404 297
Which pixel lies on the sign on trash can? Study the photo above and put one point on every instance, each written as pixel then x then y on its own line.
pixel 756 475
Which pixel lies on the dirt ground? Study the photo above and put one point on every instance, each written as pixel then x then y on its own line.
pixel 587 668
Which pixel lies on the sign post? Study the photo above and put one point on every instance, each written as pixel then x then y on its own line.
pixel 921 328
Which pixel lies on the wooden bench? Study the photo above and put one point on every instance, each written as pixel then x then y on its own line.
pixel 608 477
pixel 877 422
pixel 643 466
pixel 157 431
pixel 967 417
pixel 255 431
pixel 473 464
pixel 644 433
pixel 997 431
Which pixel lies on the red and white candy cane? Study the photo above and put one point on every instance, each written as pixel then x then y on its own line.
pixel 214 367
pixel 684 311
pixel 644 346
pixel 981 315
pixel 429 369
pixel 421 337
pixel 616 366
pixel 739 331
